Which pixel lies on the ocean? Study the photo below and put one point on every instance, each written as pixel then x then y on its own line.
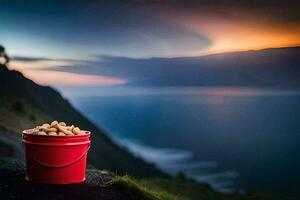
pixel 235 139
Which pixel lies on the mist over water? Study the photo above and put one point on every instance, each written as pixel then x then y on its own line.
pixel 174 161
pixel 232 138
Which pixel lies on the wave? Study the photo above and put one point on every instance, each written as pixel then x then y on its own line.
pixel 173 161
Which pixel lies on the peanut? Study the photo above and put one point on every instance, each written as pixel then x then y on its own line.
pixel 42 133
pixel 52 133
pixel 56 128
pixel 42 128
pixel 61 128
pixel 68 132
pixel 54 123
pixel 62 123
pixel 70 128
pixel 64 130
pixel 52 129
pixel 46 125
pixel 61 134
pixel 76 130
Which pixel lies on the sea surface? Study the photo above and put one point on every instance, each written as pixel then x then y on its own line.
pixel 236 139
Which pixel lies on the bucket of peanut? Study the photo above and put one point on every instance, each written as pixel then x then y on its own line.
pixel 56 153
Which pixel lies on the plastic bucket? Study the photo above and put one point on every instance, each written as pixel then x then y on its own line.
pixel 56 159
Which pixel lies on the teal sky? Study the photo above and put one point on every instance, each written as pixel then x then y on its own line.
pixel 144 28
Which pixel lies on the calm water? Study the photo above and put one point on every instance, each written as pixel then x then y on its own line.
pixel 235 139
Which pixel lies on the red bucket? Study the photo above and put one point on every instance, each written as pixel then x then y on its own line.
pixel 56 159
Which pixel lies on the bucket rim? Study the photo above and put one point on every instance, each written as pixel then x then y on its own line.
pixel 26 132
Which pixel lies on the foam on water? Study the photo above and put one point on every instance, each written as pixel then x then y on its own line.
pixel 173 161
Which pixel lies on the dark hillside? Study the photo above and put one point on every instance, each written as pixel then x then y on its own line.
pixel 104 154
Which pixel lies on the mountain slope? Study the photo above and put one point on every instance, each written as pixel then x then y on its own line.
pixel 279 67
pixel 17 115
pixel 50 104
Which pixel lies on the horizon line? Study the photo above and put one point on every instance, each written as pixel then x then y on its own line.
pixel 34 58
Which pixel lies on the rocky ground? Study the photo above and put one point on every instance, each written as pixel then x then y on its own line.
pixel 14 186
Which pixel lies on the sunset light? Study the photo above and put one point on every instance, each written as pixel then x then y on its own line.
pixel 70 79
pixel 242 32
pixel 150 99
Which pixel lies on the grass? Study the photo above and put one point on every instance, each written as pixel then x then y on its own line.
pixel 190 190
pixel 17 115
pixel 183 188
pixel 137 191
pixel 180 189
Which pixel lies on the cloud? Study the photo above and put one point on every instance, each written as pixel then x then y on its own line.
pixel 84 28
pixel 272 10
pixel 235 26
pixel 213 70
pixel 45 71
pixel 146 28
pixel 28 59
pixel 40 63
pixel 56 78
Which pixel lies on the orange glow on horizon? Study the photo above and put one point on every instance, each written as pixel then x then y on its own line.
pixel 244 40
pixel 240 34
pixel 255 42
pixel 70 79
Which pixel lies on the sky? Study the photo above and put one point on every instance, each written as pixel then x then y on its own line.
pixel 53 34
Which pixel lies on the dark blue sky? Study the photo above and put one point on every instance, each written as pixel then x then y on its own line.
pixel 74 28
pixel 143 28
pixel 63 31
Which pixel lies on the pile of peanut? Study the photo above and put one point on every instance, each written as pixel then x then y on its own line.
pixel 56 129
